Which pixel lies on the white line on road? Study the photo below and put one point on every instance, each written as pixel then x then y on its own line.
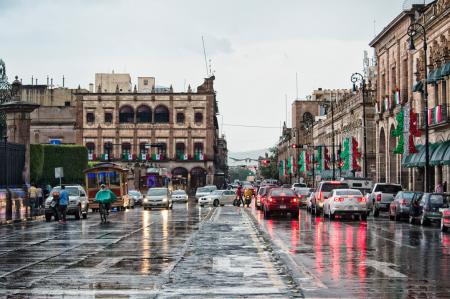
pixel 384 268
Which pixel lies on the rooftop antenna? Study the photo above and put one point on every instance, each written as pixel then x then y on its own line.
pixel 204 53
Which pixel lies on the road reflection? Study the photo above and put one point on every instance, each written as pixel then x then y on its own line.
pixel 146 243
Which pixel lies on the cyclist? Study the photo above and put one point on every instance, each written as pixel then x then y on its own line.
pixel 105 197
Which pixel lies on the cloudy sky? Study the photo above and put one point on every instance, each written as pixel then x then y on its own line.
pixel 255 47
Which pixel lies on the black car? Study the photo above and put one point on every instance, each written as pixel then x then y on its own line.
pixel 400 207
pixel 426 208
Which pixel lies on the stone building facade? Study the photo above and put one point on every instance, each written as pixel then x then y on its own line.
pixel 161 133
pixel 401 70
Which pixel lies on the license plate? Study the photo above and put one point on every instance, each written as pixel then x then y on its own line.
pixel 283 207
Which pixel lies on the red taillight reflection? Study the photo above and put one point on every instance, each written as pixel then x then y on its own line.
pixel 270 199
pixel 403 202
pixel 294 199
pixel 446 213
pixel 378 197
pixel 361 199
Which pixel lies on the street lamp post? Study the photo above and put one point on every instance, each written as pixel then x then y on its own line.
pixel 414 29
pixel 333 146
pixel 357 77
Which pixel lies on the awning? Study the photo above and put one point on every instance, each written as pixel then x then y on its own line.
pixel 438 155
pixel 419 160
pixel 407 160
pixel 445 70
pixel 418 87
pixel 432 76
pixel 446 157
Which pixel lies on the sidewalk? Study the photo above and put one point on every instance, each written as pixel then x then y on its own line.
pixel 19 213
pixel 226 258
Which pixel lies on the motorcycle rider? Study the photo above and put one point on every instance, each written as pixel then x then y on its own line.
pixel 248 193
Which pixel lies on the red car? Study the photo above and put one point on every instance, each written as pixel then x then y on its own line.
pixel 261 196
pixel 281 200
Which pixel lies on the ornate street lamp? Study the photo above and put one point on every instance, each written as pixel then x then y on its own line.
pixel 358 78
pixel 413 30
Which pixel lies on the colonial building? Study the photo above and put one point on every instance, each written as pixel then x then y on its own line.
pixel 160 133
pixel 400 96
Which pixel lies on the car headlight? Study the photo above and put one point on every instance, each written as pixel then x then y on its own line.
pixel 165 199
pixel 145 199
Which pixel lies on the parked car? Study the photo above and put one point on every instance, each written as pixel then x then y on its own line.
pixel 218 197
pixel 445 220
pixel 78 202
pixel 136 196
pixel 428 208
pixel 324 190
pixel 202 191
pixel 381 197
pixel 180 196
pixel 400 206
pixel 261 196
pixel 281 200
pixel 157 198
pixel 345 202
pixel 303 194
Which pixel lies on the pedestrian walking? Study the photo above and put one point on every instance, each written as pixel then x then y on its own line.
pixel 40 203
pixel 32 199
pixel 63 202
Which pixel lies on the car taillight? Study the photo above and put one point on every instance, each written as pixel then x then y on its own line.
pixel 339 199
pixel 320 195
pixel 446 213
pixel 270 199
pixel 403 202
pixel 361 199
pixel 294 199
pixel 378 197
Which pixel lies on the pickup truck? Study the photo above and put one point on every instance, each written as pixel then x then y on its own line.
pixel 381 197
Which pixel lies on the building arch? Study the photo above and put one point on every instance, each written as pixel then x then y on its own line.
pixel 161 114
pixel 180 176
pixel 198 177
pixel 393 175
pixel 143 114
pixel 126 114
pixel 382 156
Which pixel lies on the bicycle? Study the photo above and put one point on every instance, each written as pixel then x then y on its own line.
pixel 103 210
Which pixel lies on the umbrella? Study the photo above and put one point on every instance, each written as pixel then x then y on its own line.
pixel 105 196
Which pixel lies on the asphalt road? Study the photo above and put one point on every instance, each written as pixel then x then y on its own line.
pixel 224 252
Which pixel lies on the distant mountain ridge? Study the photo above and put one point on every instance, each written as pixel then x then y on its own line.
pixel 255 154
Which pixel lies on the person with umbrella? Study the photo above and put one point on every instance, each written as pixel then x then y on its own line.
pixel 105 197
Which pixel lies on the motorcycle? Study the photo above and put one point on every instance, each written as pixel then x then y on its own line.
pixel 248 201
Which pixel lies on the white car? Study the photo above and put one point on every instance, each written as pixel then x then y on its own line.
pixel 345 202
pixel 78 202
pixel 180 196
pixel 157 198
pixel 218 197
pixel 303 194
pixel 203 191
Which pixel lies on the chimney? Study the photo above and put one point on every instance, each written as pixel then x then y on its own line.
pixel 91 87
pixel 63 81
pixel 32 80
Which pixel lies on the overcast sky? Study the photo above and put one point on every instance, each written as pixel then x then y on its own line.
pixel 256 47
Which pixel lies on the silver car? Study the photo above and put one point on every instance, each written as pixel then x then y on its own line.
pixel 180 196
pixel 157 198
pixel 218 197
pixel 203 191
pixel 78 202
pixel 136 196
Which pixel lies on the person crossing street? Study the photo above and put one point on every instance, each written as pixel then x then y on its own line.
pixel 63 202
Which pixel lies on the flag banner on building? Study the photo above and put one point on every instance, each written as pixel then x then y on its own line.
pixel 406 131
pixel 199 157
pixel 156 157
pixel 143 157
pixel 397 97
pixel 290 165
pixel 105 157
pixel 183 156
pixel 303 162
pixel 356 155
pixel 127 157
pixel 387 103
pixel 351 155
pixel 434 115
pixel 282 170
pixel 326 159
pixel 345 154
pixel 90 156
pixel 320 160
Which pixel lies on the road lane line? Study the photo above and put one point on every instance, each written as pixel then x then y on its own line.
pixel 384 268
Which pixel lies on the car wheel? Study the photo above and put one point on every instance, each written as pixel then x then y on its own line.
pixel 443 227
pixel 423 221
pixel 216 203
pixel 376 213
pixel 78 214
pixel 363 217
pixel 48 217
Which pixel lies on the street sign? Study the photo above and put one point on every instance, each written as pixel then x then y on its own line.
pixel 55 141
pixel 59 172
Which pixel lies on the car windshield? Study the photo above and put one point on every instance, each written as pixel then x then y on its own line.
pixel 217 192
pixel 203 189
pixel 303 191
pixel 72 191
pixel 134 193
pixel 328 187
pixel 282 192
pixel 392 189
pixel 408 195
pixel 438 200
pixel 179 192
pixel 157 192
pixel 348 192
pixel 247 187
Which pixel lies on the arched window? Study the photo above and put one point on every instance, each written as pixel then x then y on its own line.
pixel 126 114
pixel 180 118
pixel 161 114
pixel 144 114
pixel 180 150
pixel 198 117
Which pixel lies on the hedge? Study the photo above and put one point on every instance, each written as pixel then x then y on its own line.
pixel 73 159
pixel 36 162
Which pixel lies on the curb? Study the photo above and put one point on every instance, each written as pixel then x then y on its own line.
pixel 22 220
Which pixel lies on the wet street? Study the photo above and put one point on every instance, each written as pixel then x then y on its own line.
pixel 223 252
